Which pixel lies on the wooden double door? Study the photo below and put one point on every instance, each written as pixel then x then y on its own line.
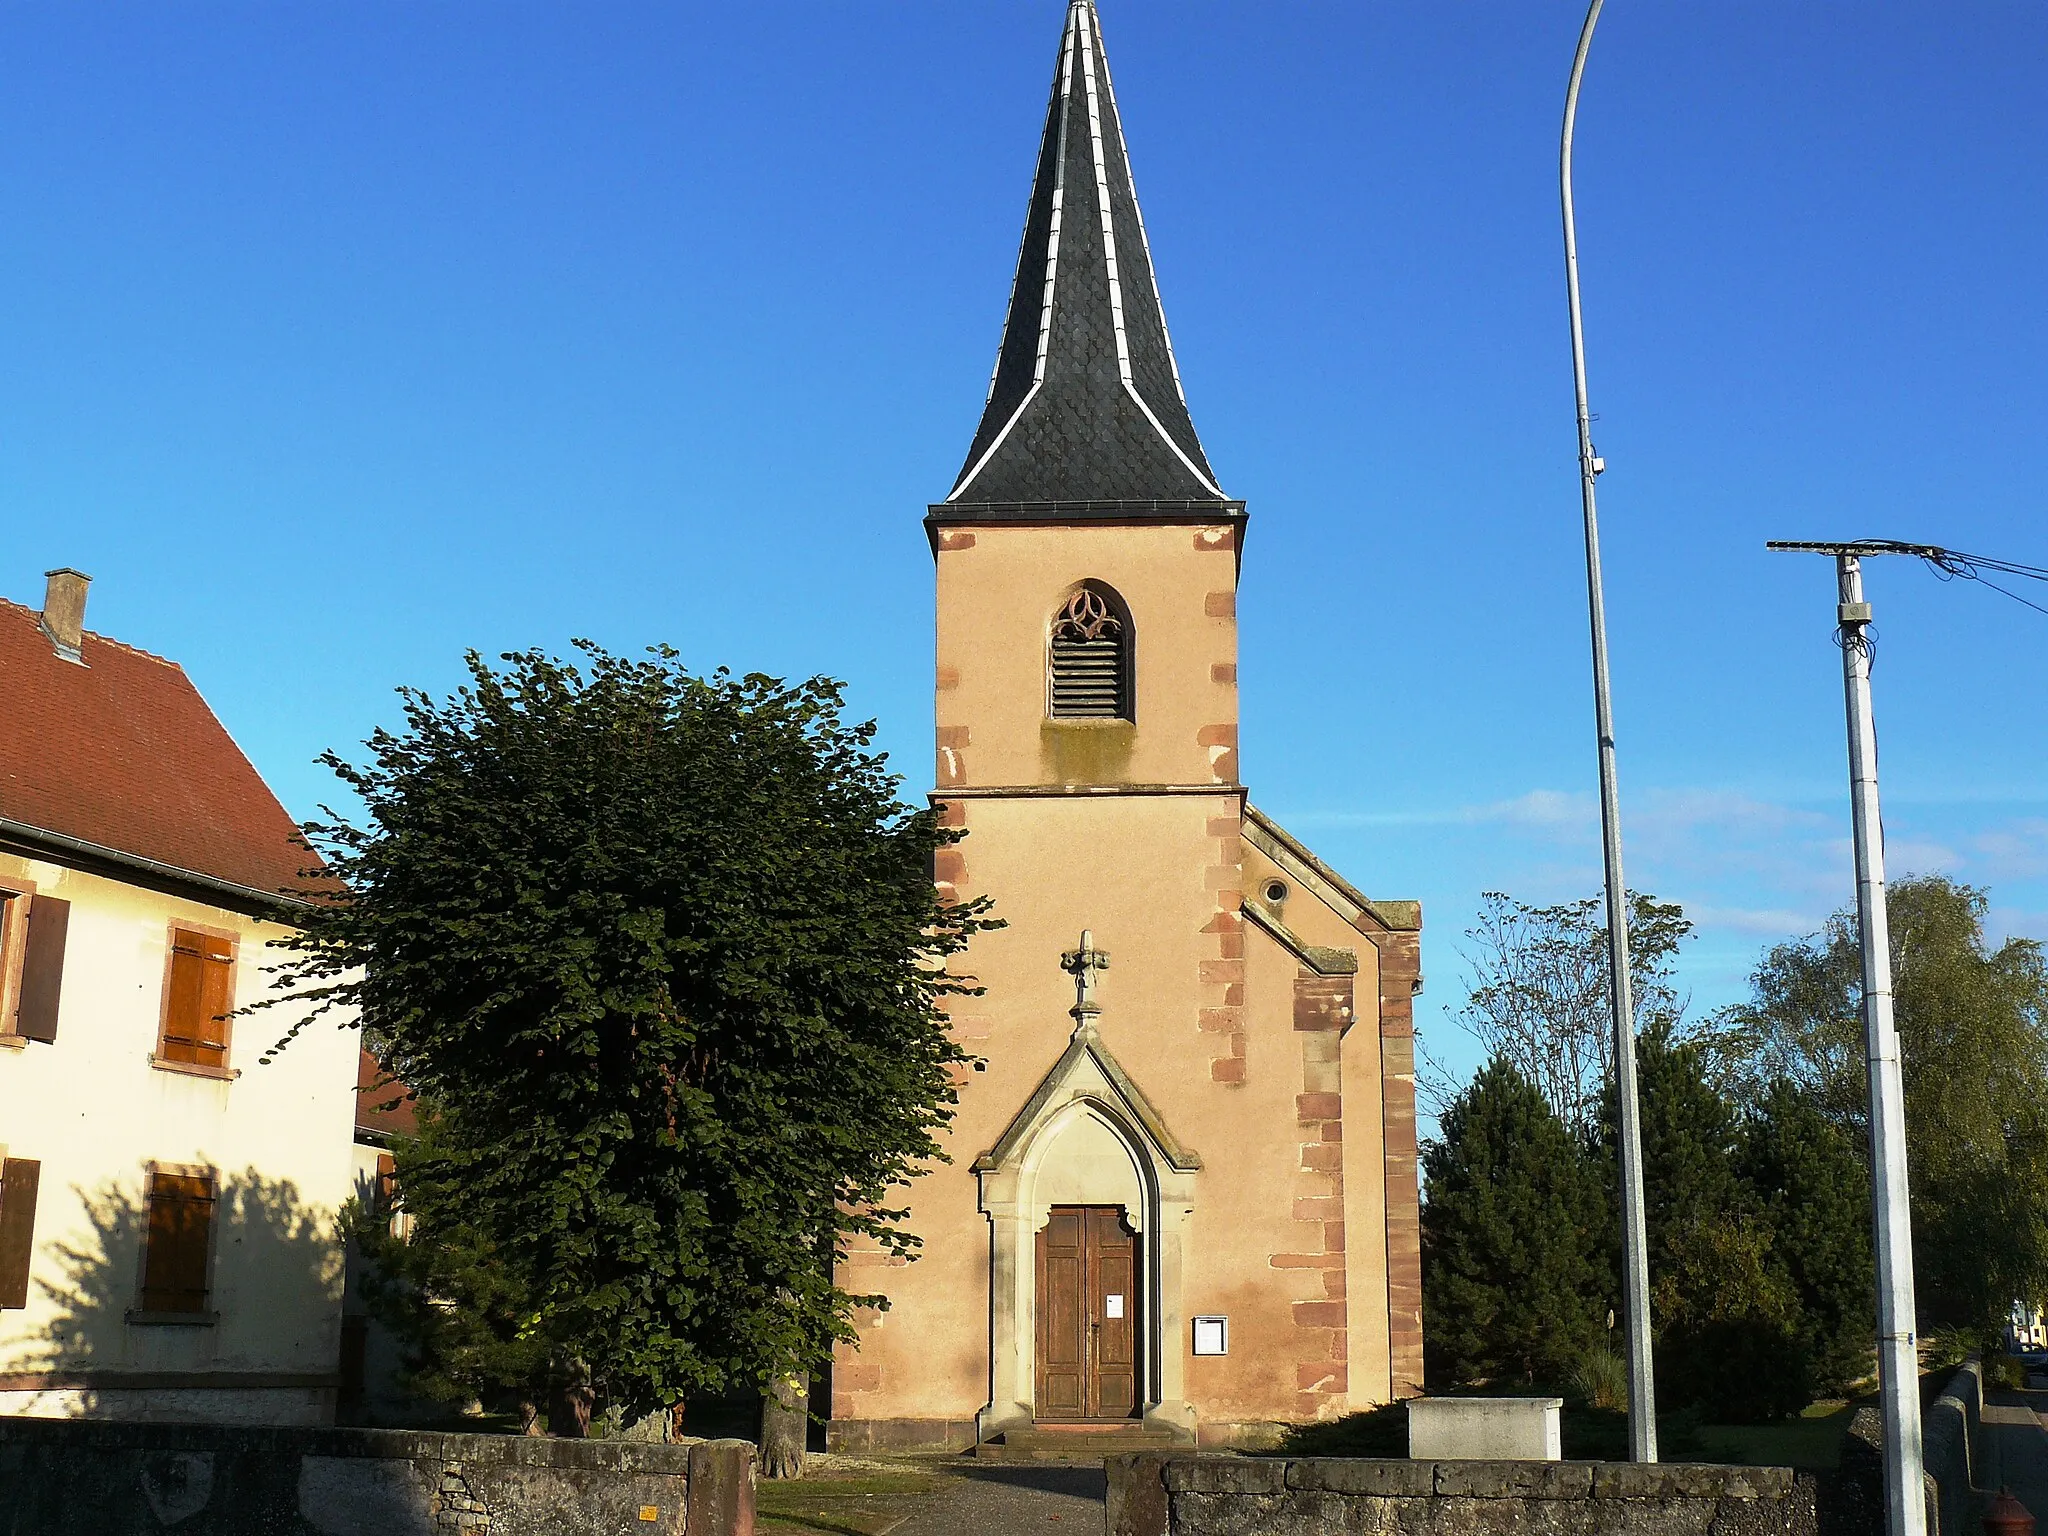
pixel 1087 1316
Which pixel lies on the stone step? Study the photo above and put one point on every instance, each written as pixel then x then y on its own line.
pixel 1076 1442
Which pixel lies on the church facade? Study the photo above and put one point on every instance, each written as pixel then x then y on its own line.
pixel 1182 1203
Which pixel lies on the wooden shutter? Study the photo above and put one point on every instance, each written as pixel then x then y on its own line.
pixel 196 1014
pixel 19 1177
pixel 387 1183
pixel 175 1251
pixel 42 968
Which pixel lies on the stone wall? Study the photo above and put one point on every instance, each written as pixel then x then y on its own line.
pixel 64 1476
pixel 1153 1494
pixel 1947 1435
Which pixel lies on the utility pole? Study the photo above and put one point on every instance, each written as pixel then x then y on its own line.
pixel 1642 1390
pixel 1898 1355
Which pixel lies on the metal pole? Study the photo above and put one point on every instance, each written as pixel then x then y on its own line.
pixel 1898 1357
pixel 1642 1391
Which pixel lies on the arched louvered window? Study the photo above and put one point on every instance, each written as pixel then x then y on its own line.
pixel 1090 663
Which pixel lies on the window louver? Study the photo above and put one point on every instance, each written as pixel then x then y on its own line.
pixel 1090 666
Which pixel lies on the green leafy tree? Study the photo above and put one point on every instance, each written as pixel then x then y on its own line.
pixel 662 957
pixel 1514 1284
pixel 1973 1033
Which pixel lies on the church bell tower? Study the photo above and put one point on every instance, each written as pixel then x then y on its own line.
pixel 1180 1204
pixel 1087 742
pixel 1087 557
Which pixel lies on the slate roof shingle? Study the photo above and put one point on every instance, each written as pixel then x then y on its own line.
pixel 1085 405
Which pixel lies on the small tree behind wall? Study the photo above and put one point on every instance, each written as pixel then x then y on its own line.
pixel 1538 996
pixel 662 957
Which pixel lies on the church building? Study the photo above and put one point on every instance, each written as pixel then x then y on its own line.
pixel 1182 1202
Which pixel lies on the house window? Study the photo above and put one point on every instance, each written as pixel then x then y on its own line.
pixel 177 1246
pixel 198 997
pixel 1090 660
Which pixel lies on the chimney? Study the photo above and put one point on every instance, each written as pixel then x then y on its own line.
pixel 64 611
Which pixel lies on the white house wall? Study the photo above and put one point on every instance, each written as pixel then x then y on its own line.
pixel 95 1113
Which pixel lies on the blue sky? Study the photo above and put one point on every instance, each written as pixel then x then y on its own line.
pixel 340 338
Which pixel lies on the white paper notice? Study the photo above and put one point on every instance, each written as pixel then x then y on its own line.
pixel 1112 1306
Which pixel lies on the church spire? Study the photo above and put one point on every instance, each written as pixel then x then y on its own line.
pixel 1085 405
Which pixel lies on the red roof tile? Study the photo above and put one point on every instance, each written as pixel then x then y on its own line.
pixel 123 752
pixel 383 1103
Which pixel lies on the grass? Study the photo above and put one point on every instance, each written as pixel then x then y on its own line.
pixel 868 1505
pixel 1813 1440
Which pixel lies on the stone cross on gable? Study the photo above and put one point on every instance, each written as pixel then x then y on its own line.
pixel 1084 964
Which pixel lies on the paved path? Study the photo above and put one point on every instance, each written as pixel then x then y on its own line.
pixel 2014 1449
pixel 996 1500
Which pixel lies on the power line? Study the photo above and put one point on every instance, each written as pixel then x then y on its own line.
pixel 1947 564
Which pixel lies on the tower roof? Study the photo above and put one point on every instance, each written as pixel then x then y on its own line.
pixel 1085 406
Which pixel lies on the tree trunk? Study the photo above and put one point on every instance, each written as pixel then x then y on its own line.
pixel 573 1399
pixel 785 1425
pixel 569 1414
pixel 529 1417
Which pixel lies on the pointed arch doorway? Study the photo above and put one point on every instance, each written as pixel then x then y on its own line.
pixel 1089 1198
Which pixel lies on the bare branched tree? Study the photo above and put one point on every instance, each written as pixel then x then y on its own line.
pixel 1538 998
pixel 1437 1084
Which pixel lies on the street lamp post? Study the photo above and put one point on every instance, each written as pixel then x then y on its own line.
pixel 1642 1393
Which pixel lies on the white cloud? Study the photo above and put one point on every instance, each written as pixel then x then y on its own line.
pixel 1726 810
pixel 2013 923
pixel 2017 851
pixel 1919 856
pixel 1662 813
pixel 1752 869
pixel 1746 867
pixel 1764 922
pixel 1539 808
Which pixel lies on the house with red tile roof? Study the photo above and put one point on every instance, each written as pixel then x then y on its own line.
pixel 167 1200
